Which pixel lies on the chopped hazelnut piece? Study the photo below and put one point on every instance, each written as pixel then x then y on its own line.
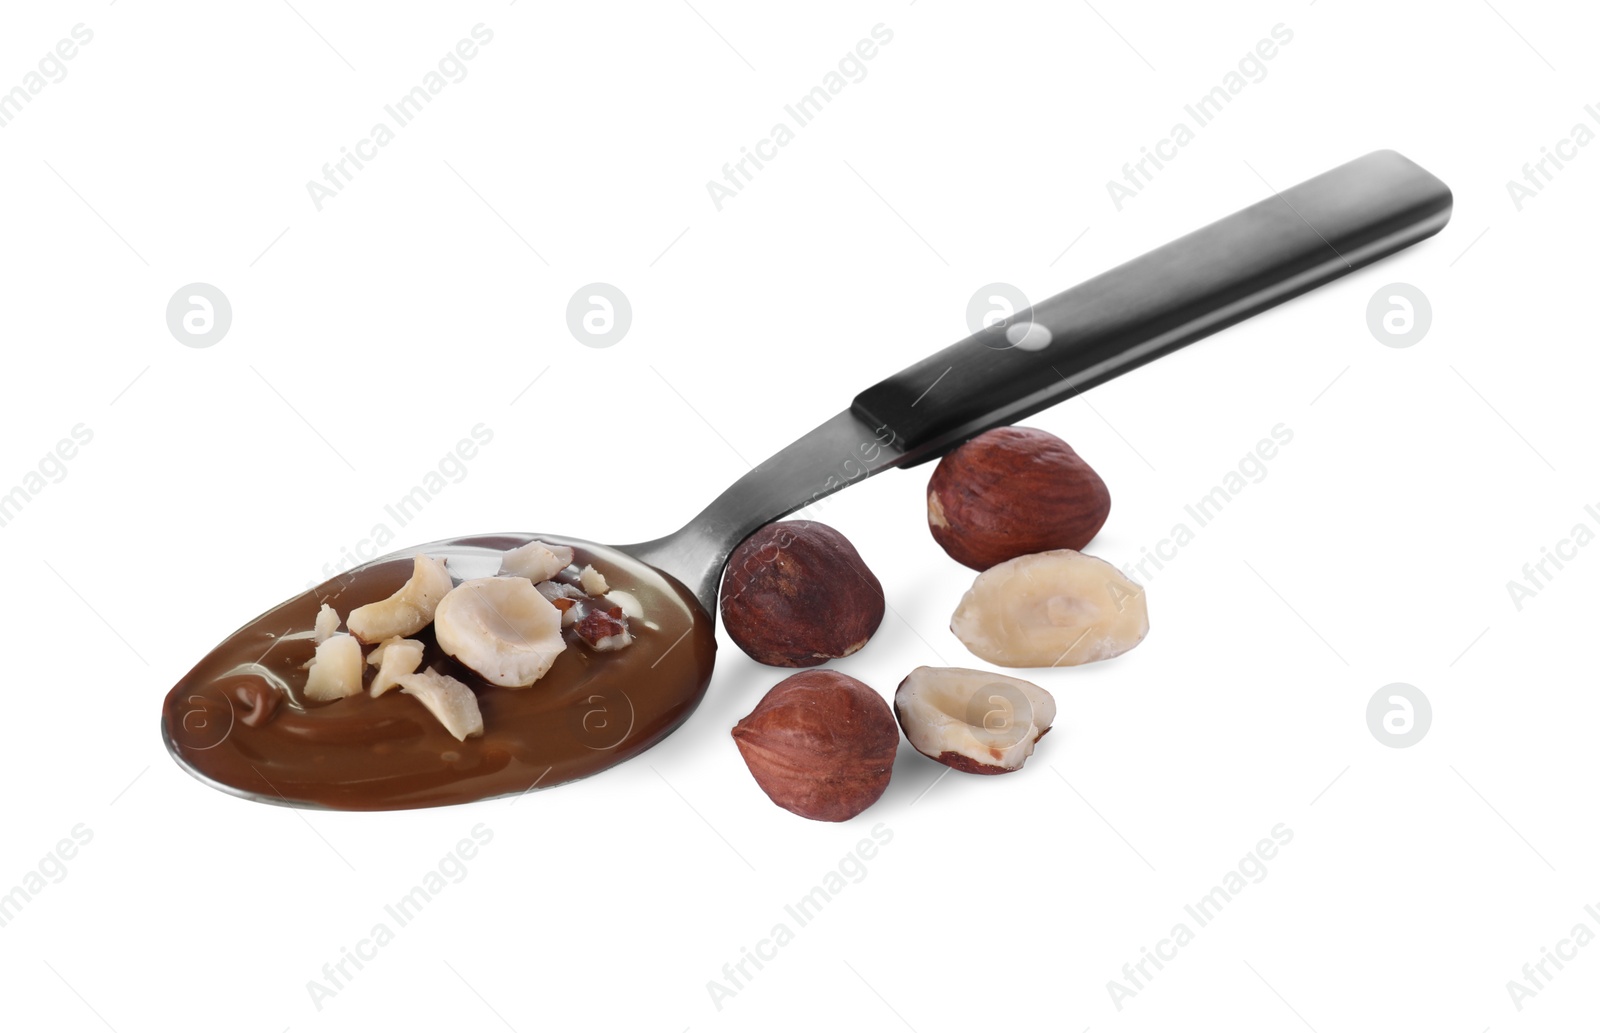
pixel 604 630
pixel 536 561
pixel 566 598
pixel 400 656
pixel 409 610
pixel 593 582
pixel 336 669
pixel 449 700
pixel 327 623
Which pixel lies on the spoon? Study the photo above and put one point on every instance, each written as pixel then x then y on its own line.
pixel 238 723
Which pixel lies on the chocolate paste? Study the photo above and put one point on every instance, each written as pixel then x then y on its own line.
pixel 240 720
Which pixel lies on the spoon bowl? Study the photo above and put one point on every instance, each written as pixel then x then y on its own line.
pixel 589 712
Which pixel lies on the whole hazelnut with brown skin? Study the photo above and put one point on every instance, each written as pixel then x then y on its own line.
pixel 796 594
pixel 820 744
pixel 1014 491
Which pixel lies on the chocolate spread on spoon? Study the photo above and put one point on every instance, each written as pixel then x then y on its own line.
pixel 240 720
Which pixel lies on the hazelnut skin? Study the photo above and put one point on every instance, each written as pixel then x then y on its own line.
pixel 1011 492
pixel 820 744
pixel 796 593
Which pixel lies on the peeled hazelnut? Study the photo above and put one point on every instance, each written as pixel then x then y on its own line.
pixel 973 721
pixel 1013 491
pixel 1051 609
pixel 820 744
pixel 796 593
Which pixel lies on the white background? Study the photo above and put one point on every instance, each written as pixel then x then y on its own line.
pixel 369 336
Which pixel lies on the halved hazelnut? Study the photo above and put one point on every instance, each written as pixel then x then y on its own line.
pixel 796 594
pixel 973 721
pixel 1051 609
pixel 502 628
pixel 820 744
pixel 1013 491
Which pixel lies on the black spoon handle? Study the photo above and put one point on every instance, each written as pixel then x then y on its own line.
pixel 1159 302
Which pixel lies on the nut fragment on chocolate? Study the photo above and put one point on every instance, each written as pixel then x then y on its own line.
pixel 335 671
pixel 796 594
pixel 536 561
pixel 1051 609
pixel 974 721
pixel 1013 491
pixel 563 597
pixel 502 628
pixel 604 630
pixel 407 611
pixel 820 744
pixel 449 700
pixel 327 623
pixel 593 582
pixel 393 658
